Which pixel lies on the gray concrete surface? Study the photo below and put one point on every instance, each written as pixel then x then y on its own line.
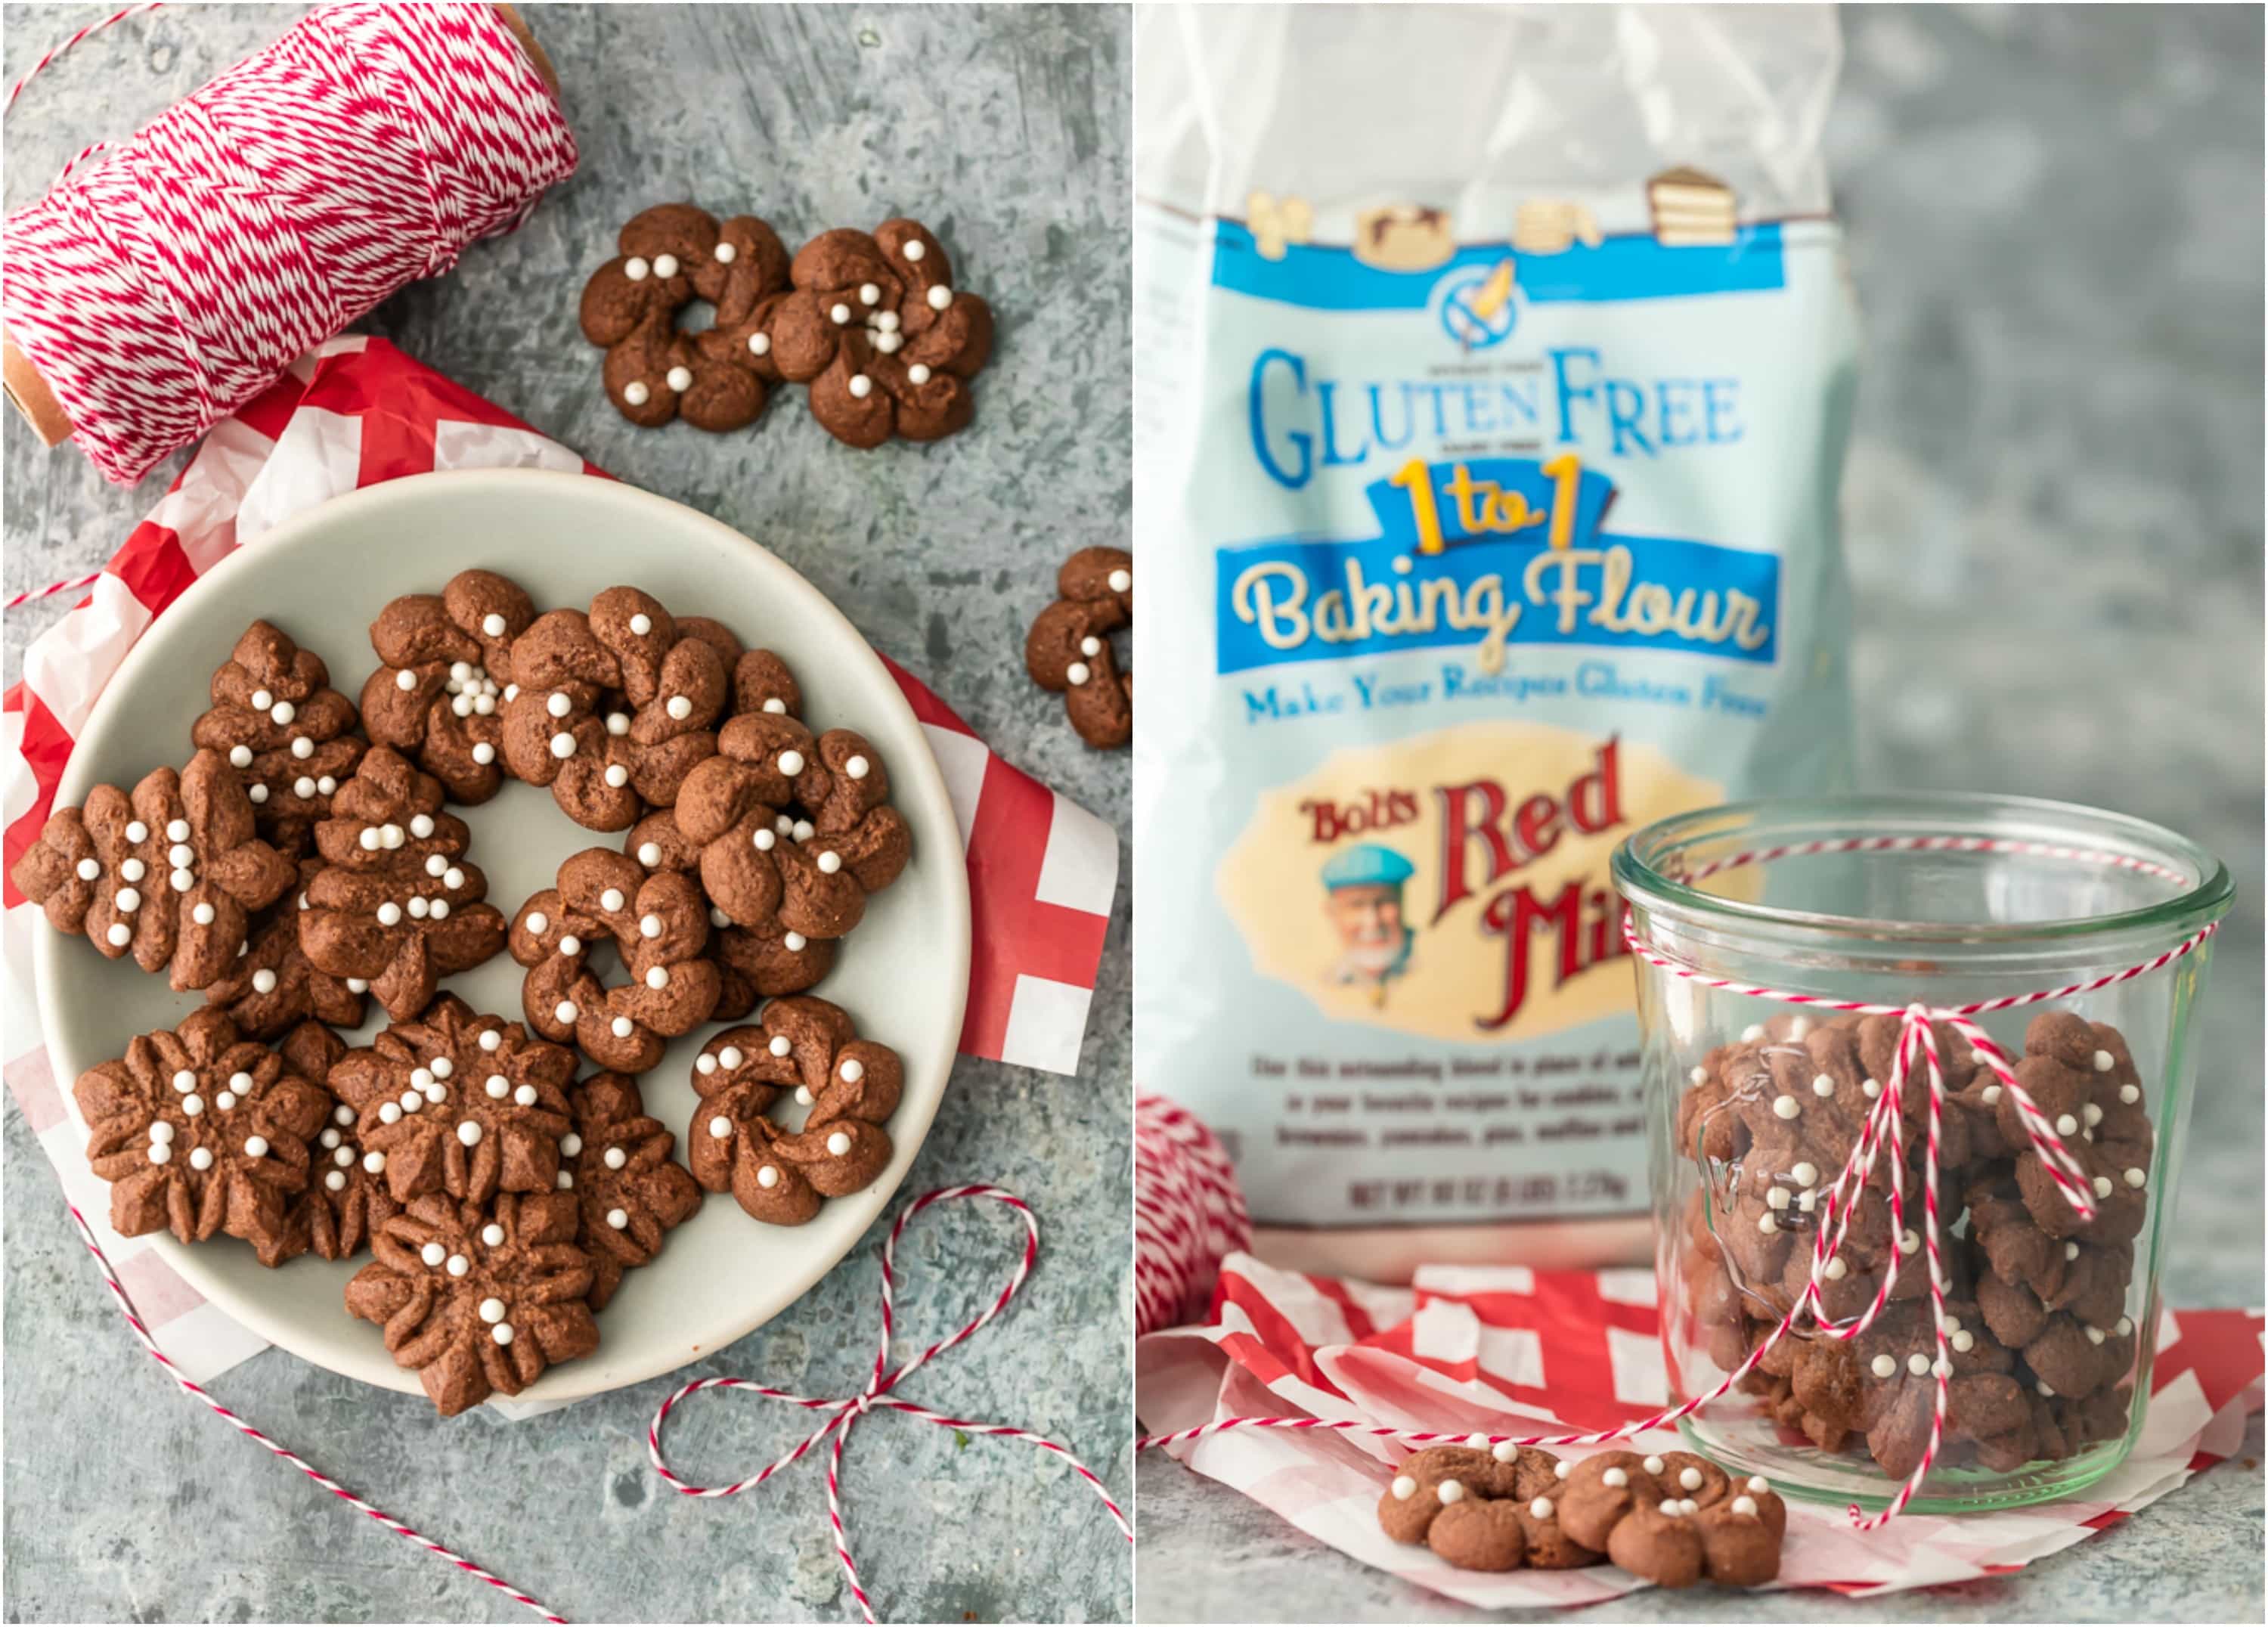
pixel 1005 129
pixel 2053 510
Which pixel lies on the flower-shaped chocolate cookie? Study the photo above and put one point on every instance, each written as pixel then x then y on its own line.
pixel 174 873
pixel 632 1193
pixel 659 923
pixel 478 1300
pixel 199 1130
pixel 273 987
pixel 768 867
pixel 1068 650
pixel 447 658
pixel 751 966
pixel 671 255
pixel 614 709
pixel 460 1103
pixel 810 1047
pixel 885 340
pixel 281 727
pixel 397 907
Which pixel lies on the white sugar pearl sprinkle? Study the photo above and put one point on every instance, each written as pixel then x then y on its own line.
pixel 939 297
pixel 1077 673
pixel 120 934
pixel 389 1112
pixel 1990 1095
pixel 89 870
pixel 564 1011
pixel 303 748
pixel 1883 1366
pixel 1806 1175
pixel 136 831
pixel 177 830
pixel 803 1095
pixel 432 1253
pixel 468 1132
pixel 918 373
pixel 185 1080
pixel 1758 1484
pixel 2130 1093
pixel 1671 1506
pixel 483 753
pixel 1787 1106
pixel 570 945
pixel 2091 1116
pixel 1450 1492
pixel 459 1265
pixel 705 1064
pixel 679 379
pixel 664 265
pixel 730 1057
pixel 649 926
pixel 790 763
pixel 720 1127
pixel 525 1095
pixel 334 1180
pixel 1778 1198
pixel 1836 1269
pixel 2126 1326
pixel 1963 1342
pixel 562 745
pixel 389 914
pixel 852 1070
pixel 618 1219
pixel 2066 1125
pixel 861 386
pixel 498 1087
pixel 616 1157
pixel 760 344
pixel 2101 1185
pixel 1822 1085
pixel 656 977
pixel 780 1046
pixel 767 1177
pixel 161 1131
pixel 2136 1177
pixel 2105 1062
pixel 636 393
pixel 611 898
pixel 678 707
pixel 764 839
pixel 829 863
pixel 727 254
pixel 1615 1477
pixel 127 901
pixel 622 1026
pixel 914 249
pixel 1917 1364
pixel 838 314
pixel 1654 1465
pixel 263 981
pixel 570 1144
pixel 1404 1487
pixel 492 1310
pixel 374 1163
pixel 1744 1505
pixel 795 941
pixel 1689 1478
pixel 838 1144
pixel 1766 1223
pixel 636 268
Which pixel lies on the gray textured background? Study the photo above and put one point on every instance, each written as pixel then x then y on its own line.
pixel 1005 130
pixel 2053 519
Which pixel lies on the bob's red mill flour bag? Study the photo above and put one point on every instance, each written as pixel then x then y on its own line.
pixel 1495 372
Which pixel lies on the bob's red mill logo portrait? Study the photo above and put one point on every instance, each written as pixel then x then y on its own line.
pixel 1456 884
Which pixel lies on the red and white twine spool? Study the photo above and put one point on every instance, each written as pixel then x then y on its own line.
pixel 1883 1128
pixel 165 281
pixel 1188 1213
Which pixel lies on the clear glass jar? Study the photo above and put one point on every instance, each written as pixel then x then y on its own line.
pixel 2061 895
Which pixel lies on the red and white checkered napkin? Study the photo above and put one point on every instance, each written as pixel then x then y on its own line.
pixel 1508 1351
pixel 354 412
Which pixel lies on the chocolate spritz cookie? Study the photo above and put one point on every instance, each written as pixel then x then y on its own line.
pixel 201 1132
pixel 611 709
pixel 284 730
pixel 659 924
pixel 618 1166
pixel 478 1300
pixel 672 256
pixel 273 987
pixel 1673 1518
pixel 2041 1344
pixel 1068 650
pixel 173 872
pixel 346 1197
pixel 397 907
pixel 886 342
pixel 446 661
pixel 808 1047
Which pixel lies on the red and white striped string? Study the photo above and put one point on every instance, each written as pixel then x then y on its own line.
pixel 1883 1127
pixel 49 56
pixel 191 1387
pixel 843 1414
pixel 165 281
pixel 1189 1212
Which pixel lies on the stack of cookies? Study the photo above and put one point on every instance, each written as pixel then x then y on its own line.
pixel 2043 1344
pixel 305 863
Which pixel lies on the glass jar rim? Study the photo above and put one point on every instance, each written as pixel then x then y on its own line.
pixel 1900 821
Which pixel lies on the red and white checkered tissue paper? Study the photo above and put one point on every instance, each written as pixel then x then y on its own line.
pixel 1509 1351
pixel 351 412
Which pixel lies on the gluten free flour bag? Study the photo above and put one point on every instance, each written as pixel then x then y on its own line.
pixel 1494 373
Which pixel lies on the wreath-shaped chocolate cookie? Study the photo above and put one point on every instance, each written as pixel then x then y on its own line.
pixel 659 925
pixel 478 1300
pixel 671 255
pixel 398 905
pixel 751 965
pixel 809 1047
pixel 885 340
pixel 613 710
pixel 282 726
pixel 795 830
pixel 437 696
pixel 1068 650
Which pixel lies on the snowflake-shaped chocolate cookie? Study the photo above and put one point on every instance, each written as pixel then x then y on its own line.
pixel 632 1191
pixel 478 1300
pixel 460 1103
pixel 200 1131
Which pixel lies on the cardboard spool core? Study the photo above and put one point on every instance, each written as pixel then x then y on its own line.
pixel 28 393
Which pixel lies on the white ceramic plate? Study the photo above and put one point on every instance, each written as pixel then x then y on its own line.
pixel 322 579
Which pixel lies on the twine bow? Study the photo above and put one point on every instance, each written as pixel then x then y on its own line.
pixel 843 1414
pixel 1883 1126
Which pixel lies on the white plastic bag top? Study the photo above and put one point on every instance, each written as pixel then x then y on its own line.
pixel 1475 108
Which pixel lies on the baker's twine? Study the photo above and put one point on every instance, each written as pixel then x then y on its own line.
pixel 1882 1126
pixel 1189 1212
pixel 843 1414
pixel 191 1387
pixel 47 56
pixel 165 281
